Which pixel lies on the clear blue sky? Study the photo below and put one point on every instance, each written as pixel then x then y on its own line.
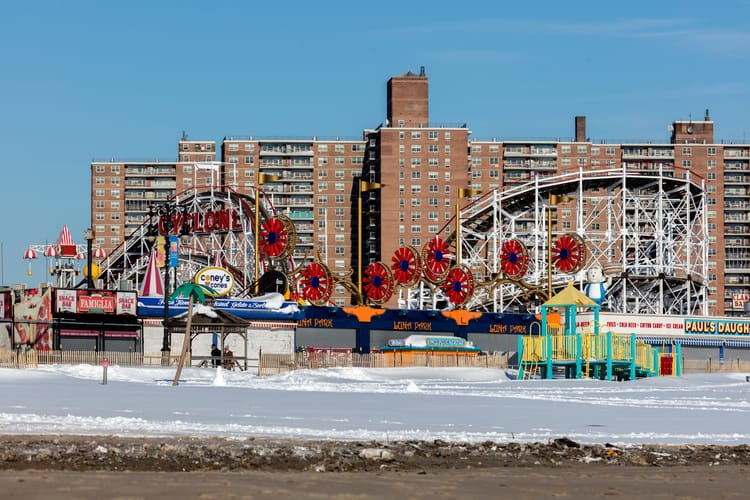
pixel 84 80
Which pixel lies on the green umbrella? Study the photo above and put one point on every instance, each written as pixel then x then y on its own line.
pixel 193 291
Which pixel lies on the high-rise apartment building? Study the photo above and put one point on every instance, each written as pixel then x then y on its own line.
pixel 421 166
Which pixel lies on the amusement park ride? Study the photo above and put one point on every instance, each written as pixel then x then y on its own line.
pixel 646 232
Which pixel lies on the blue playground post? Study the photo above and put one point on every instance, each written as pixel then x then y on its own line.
pixel 633 355
pixel 520 358
pixel 609 356
pixel 678 360
pixel 579 355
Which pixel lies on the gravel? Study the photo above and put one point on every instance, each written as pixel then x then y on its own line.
pixel 86 453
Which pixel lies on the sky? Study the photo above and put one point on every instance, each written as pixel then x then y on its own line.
pixel 453 404
pixel 87 80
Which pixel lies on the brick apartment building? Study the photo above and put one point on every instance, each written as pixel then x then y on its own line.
pixel 422 165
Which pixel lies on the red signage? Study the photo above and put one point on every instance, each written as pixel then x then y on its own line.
pixel 101 302
pixel 206 222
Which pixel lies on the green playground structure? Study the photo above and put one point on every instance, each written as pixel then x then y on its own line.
pixel 561 349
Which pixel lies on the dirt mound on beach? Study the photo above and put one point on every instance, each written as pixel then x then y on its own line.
pixel 90 453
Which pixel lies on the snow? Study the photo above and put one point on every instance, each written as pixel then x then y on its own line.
pixel 453 404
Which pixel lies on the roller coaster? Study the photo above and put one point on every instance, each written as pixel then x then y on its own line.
pixel 646 230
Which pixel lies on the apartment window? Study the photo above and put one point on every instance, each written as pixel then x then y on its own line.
pixel 432 134
pixel 432 162
pixel 417 242
pixel 711 151
pixel 233 159
pixel 476 160
pixel 416 174
pixel 401 148
pixel 115 217
pixel 322 186
pixel 433 188
pixel 339 148
pixel 340 225
pixel 712 176
pixel 416 189
pixel 339 186
pixel 99 180
pixel 401 229
pixel 416 162
pixel 114 229
pixel 433 202
pixel 339 174
pixel 565 162
pixel 415 202
pixel 609 151
pixel 416 148
pixel 432 175
pixel 187 169
pixel 249 160
pixel 99 216
pixel 447 149
pixel 323 160
pixel 432 229
pixel 687 151
pixel 339 250
pixel 565 148
pixel 476 174
pixel 447 136
pixel 115 193
pixel 433 215
pixel 99 204
pixel 233 147
pixel 401 123
pixel 340 160
pixel 581 149
pixel 115 205
pixel 338 212
pixel 687 163
pixel 402 135
pixel 711 163
pixel 401 162
pixel 581 162
pixel 250 148
pixel 323 199
pixel 416 215
pixel 339 198
pixel 416 228
pixel 416 135
pixel 322 148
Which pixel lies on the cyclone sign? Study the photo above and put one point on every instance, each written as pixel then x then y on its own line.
pixel 217 278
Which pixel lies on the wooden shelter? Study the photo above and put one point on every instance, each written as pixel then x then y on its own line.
pixel 207 320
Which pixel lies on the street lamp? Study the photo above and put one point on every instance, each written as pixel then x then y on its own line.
pixel 462 193
pixel 364 187
pixel 88 235
pixel 554 200
pixel 165 225
pixel 262 179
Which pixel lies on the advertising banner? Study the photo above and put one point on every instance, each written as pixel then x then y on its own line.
pixel 32 316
